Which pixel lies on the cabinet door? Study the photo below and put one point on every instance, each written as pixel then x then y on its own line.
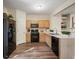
pixel 28 24
pixel 28 37
pixel 42 37
pixel 48 40
pixel 46 24
pixel 41 24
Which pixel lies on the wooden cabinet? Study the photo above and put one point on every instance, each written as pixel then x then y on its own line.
pixel 28 23
pixel 48 40
pixel 66 48
pixel 42 37
pixel 41 24
pixel 28 37
pixel 44 24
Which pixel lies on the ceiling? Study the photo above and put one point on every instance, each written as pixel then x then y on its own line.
pixel 68 10
pixel 34 6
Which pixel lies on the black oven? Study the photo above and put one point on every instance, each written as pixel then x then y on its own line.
pixel 34 36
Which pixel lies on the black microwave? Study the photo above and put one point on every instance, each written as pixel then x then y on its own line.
pixel 34 25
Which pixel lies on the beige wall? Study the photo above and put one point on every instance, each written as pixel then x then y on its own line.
pixel 55 23
pixel 5 10
pixel 20 26
pixel 32 21
pixel 37 17
pixel 10 11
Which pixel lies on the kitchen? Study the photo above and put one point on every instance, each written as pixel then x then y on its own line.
pixel 53 38
pixel 54 29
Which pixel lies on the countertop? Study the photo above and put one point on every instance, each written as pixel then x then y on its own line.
pixel 60 35
pixel 56 35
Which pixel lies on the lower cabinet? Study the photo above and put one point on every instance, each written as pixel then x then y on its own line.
pixel 55 45
pixel 28 37
pixel 67 48
pixel 42 37
pixel 48 40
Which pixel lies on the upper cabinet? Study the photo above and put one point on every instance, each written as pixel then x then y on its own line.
pixel 28 24
pixel 41 23
pixel 44 24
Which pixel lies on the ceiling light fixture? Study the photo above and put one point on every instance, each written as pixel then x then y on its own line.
pixel 39 7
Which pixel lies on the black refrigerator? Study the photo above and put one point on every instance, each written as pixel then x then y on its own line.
pixel 9 36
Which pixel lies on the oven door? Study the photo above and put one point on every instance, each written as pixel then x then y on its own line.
pixel 34 37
